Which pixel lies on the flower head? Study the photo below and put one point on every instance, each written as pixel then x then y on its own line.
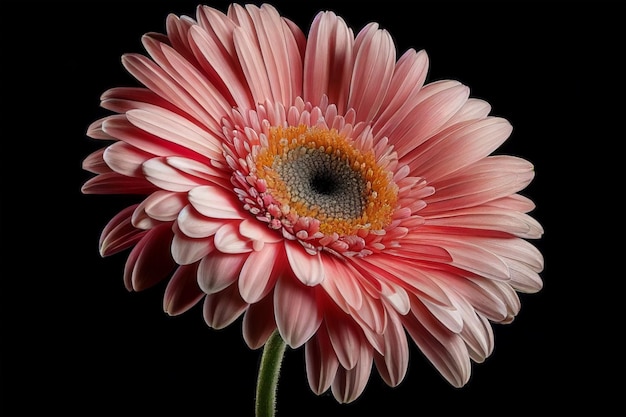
pixel 318 186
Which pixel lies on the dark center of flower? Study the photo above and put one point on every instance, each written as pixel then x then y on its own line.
pixel 318 173
pixel 319 180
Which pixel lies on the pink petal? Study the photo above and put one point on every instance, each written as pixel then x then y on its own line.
pixel 219 270
pixel 173 128
pixel 178 34
pixel 321 362
pixel 430 114
pixel 277 48
pixel 114 183
pixel 477 332
pixel 446 350
pixel 328 61
pixel 473 109
pixel 259 273
pixel 194 83
pixel 481 294
pixel 186 250
pixel 213 53
pixel 182 291
pixel 228 240
pixel 119 127
pixel 159 172
pixel 375 57
pixel 195 225
pixel 346 338
pixel 157 80
pixel 408 78
pixel 122 99
pixel 349 384
pixel 258 322
pixel 94 162
pixel 393 364
pixel 298 315
pixel 307 268
pixel 259 233
pixel 163 206
pixel 461 148
pixel 119 233
pixel 223 308
pixel 95 130
pixel 340 285
pixel 215 202
pixel 487 180
pixel 150 261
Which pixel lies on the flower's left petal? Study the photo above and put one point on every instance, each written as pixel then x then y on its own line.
pixel 298 315
pixel 223 308
pixel 182 291
pixel 150 261
pixel 307 268
pixel 350 383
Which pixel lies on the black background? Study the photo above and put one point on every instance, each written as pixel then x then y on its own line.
pixel 75 342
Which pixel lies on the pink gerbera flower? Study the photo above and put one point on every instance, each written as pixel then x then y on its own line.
pixel 315 185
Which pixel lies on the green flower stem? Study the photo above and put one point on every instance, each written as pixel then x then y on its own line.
pixel 269 371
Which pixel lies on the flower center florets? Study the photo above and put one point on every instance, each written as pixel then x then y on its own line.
pixel 313 185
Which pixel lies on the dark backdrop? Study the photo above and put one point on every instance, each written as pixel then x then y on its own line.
pixel 76 343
